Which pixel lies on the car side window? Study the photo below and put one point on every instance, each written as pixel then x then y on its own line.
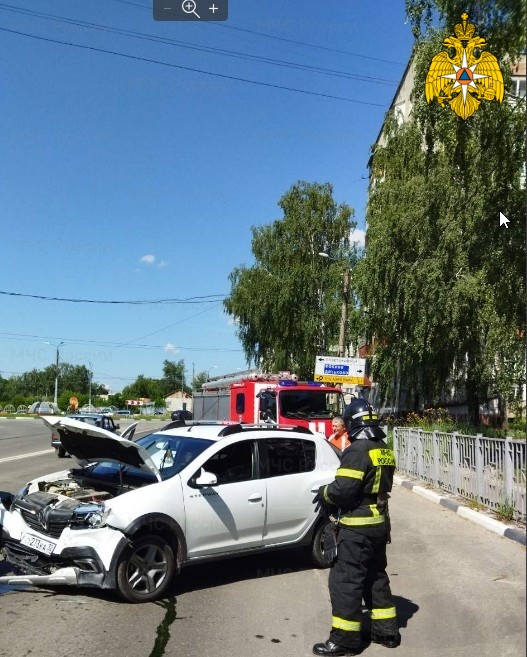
pixel 286 456
pixel 233 463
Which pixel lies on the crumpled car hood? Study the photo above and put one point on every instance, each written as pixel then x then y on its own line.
pixel 89 444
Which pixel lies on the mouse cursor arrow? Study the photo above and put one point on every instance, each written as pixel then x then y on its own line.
pixel 503 220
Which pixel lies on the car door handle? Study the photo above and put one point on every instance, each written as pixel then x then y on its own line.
pixel 255 497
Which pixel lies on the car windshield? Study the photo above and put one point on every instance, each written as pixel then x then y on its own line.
pixel 310 403
pixel 170 455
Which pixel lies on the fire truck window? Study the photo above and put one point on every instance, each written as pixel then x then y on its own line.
pixel 286 456
pixel 232 464
pixel 240 403
pixel 267 406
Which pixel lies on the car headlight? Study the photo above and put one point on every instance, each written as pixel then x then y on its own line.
pixel 89 516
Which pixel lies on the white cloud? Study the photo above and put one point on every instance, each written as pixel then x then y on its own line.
pixel 171 348
pixel 147 259
pixel 162 263
pixel 358 237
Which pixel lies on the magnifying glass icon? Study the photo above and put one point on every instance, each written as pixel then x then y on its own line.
pixel 189 7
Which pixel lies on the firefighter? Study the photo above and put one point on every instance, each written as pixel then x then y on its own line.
pixel 359 498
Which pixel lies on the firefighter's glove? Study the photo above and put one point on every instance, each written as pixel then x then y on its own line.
pixel 322 506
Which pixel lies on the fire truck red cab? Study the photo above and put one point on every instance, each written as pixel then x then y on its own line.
pixel 257 398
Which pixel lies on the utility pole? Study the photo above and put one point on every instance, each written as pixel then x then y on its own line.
pixel 344 312
pixel 346 276
pixel 89 396
pixel 55 396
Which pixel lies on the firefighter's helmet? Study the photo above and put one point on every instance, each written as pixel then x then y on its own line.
pixel 360 416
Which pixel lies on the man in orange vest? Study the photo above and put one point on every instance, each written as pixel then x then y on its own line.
pixel 339 438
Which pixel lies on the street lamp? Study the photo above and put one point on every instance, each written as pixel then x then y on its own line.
pixel 55 398
pixel 89 395
pixel 208 373
pixel 344 306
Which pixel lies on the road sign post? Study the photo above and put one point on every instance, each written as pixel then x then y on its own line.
pixel 335 369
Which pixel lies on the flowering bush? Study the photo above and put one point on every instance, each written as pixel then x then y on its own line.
pixel 439 419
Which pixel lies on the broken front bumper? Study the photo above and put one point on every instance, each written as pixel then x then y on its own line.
pixel 78 557
pixel 61 577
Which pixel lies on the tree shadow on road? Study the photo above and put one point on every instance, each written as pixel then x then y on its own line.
pixel 238 569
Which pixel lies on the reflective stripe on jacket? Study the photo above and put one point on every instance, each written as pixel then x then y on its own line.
pixel 362 483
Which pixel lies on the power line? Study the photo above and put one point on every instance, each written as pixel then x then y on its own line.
pixel 22 337
pixel 191 69
pixel 210 298
pixel 209 49
pixel 278 38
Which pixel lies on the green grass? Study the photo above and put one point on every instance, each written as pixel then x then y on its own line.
pixel 505 511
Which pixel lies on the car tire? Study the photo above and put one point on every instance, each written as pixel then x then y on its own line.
pixel 145 569
pixel 318 559
pixel 61 452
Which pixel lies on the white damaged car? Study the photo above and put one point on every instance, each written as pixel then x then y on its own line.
pixel 130 515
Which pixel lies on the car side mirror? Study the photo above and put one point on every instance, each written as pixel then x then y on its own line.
pixel 117 425
pixel 206 479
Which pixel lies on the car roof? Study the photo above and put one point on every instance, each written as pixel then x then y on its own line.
pixel 217 431
pixel 75 416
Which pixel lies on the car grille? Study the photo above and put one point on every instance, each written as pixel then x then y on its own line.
pixel 51 528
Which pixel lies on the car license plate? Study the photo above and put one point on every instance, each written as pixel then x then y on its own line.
pixel 37 543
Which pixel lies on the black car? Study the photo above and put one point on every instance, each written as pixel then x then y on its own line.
pixel 101 420
pixel 181 415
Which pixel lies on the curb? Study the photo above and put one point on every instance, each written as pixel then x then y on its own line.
pixel 485 521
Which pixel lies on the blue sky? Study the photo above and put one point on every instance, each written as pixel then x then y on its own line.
pixel 138 178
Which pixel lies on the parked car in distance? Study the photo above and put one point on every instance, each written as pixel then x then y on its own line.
pixel 101 420
pixel 109 410
pixel 180 415
pixel 129 515
pixel 126 413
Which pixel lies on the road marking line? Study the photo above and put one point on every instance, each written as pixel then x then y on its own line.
pixel 25 456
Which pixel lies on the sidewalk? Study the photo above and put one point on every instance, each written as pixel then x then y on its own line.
pixel 478 517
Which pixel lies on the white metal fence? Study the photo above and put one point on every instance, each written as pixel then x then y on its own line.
pixel 487 471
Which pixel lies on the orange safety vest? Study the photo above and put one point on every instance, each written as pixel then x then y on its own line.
pixel 340 442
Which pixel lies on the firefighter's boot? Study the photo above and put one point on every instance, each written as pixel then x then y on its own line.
pixel 332 649
pixel 390 641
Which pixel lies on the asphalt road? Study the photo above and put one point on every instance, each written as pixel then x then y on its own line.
pixel 459 590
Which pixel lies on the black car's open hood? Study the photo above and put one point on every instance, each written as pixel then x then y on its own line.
pixel 89 444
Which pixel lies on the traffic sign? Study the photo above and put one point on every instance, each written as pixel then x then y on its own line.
pixel 336 369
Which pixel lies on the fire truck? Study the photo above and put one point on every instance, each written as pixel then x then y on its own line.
pixel 254 397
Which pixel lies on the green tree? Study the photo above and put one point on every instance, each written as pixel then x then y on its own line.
pixel 74 377
pixel 443 283
pixel 118 400
pixel 501 22
pixel 173 376
pixel 287 305
pixel 144 387
pixel 199 380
